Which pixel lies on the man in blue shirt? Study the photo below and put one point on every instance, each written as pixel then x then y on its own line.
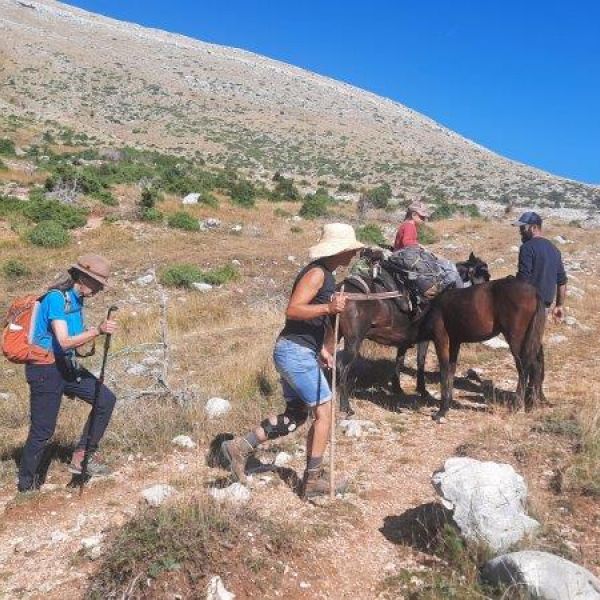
pixel 540 263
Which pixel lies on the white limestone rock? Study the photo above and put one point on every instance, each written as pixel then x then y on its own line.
pixel 217 407
pixel 157 494
pixel 497 343
pixel 184 441
pixel 236 493
pixel 216 590
pixel 488 501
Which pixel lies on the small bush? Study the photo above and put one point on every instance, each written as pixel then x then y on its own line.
pixel 49 234
pixel 7 147
pixel 40 209
pixel 284 191
pixel 14 269
pixel 10 205
pixel 380 196
pixel 426 235
pixel 345 188
pixel 3 167
pixel 183 220
pixel 446 210
pixel 151 215
pixel 316 205
pixel 184 275
pixel 149 197
pixel 243 193
pixel 371 234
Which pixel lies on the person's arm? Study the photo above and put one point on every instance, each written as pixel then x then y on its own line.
pixel 67 342
pixel 410 237
pixel 525 269
pixel 399 235
pixel 558 312
pixel 300 308
pixel 328 344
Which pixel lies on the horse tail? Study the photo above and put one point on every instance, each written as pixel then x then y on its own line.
pixel 534 334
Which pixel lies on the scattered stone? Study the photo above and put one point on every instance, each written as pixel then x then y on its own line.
pixel 282 459
pixel 145 279
pixel 236 493
pixel 353 429
pixel 546 576
pixel 217 407
pixel 304 585
pixel 184 441
pixel 212 223
pixel 357 427
pixel 488 501
pixel 4 396
pixel 514 248
pixel 291 258
pixel 191 198
pixel 236 262
pixel 58 536
pixel 137 370
pixel 236 228
pixel 450 247
pixel 499 261
pixel 150 361
pixel 557 338
pixel 91 542
pixel 158 493
pixel 200 286
pixel 575 292
pixel 561 240
pixel 497 343
pixel 216 590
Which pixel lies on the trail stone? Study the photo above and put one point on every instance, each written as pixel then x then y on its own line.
pixel 183 441
pixel 514 248
pixel 487 499
pixel 137 370
pixel 497 343
pixel 282 459
pixel 236 493
pixel 217 407
pixel 557 338
pixel 145 279
pixel 91 542
pixel 58 536
pixel 4 396
pixel 200 286
pixel 545 576
pixel 191 199
pixel 353 429
pixel 216 590
pixel 158 493
pixel 560 239
pixel 212 223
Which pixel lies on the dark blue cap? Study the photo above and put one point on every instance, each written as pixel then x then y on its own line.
pixel 529 218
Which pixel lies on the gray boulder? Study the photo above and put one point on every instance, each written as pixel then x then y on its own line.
pixel 487 500
pixel 543 575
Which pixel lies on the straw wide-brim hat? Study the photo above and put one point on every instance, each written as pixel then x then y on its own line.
pixel 420 209
pixel 94 266
pixel 335 239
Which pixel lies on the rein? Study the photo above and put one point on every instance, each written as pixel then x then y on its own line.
pixel 372 296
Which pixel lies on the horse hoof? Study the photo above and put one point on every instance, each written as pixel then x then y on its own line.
pixel 439 418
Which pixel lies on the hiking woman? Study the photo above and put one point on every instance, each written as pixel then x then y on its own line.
pixel 303 345
pixel 406 235
pixel 58 331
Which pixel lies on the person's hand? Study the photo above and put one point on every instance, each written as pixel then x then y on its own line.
pixel 108 327
pixel 558 313
pixel 326 358
pixel 337 304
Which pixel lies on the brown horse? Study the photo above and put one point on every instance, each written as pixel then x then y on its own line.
pixel 508 306
pixel 387 322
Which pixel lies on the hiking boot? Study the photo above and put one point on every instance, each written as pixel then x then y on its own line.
pixel 95 468
pixel 235 453
pixel 316 483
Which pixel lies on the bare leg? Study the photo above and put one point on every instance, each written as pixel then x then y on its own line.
pixel 318 434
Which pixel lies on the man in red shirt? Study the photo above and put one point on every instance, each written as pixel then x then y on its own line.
pixel 407 232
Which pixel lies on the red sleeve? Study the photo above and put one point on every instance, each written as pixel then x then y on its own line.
pixel 406 236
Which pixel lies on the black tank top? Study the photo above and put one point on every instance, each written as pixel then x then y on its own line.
pixel 310 333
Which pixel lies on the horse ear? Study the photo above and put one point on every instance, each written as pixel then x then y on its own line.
pixel 472 257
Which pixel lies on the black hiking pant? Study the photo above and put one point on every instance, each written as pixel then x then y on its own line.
pixel 47 384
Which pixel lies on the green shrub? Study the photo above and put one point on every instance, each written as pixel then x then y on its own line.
pixel 426 235
pixel 7 147
pixel 371 234
pixel 284 191
pixel 40 209
pixel 316 205
pixel 150 196
pixel 184 275
pixel 13 269
pixel 3 167
pixel 345 188
pixel 49 234
pixel 380 196
pixel 243 193
pixel 10 205
pixel 183 220
pixel 152 215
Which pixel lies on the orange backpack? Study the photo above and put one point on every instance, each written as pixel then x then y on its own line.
pixel 17 333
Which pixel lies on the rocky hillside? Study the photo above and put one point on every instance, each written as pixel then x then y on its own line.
pixel 150 88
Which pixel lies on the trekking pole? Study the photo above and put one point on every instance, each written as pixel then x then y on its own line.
pixel 98 387
pixel 336 330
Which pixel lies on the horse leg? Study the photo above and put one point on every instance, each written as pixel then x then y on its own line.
pixel 442 348
pixel 421 356
pixel 345 361
pixel 534 393
pixel 400 356
pixel 523 373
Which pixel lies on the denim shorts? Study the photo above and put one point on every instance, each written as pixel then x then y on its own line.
pixel 301 375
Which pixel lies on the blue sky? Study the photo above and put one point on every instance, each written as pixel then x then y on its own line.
pixel 522 78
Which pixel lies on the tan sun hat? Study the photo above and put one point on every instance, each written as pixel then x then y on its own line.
pixel 335 239
pixel 420 209
pixel 94 266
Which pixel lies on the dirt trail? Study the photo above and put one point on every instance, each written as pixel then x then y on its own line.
pixel 41 538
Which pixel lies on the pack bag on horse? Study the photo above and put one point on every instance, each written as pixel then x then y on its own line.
pixel 390 321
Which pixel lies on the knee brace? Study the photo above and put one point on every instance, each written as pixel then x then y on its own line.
pixel 285 423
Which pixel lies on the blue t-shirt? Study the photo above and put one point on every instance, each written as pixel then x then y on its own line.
pixel 540 263
pixel 53 308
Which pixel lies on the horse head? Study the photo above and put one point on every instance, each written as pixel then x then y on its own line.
pixel 474 270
